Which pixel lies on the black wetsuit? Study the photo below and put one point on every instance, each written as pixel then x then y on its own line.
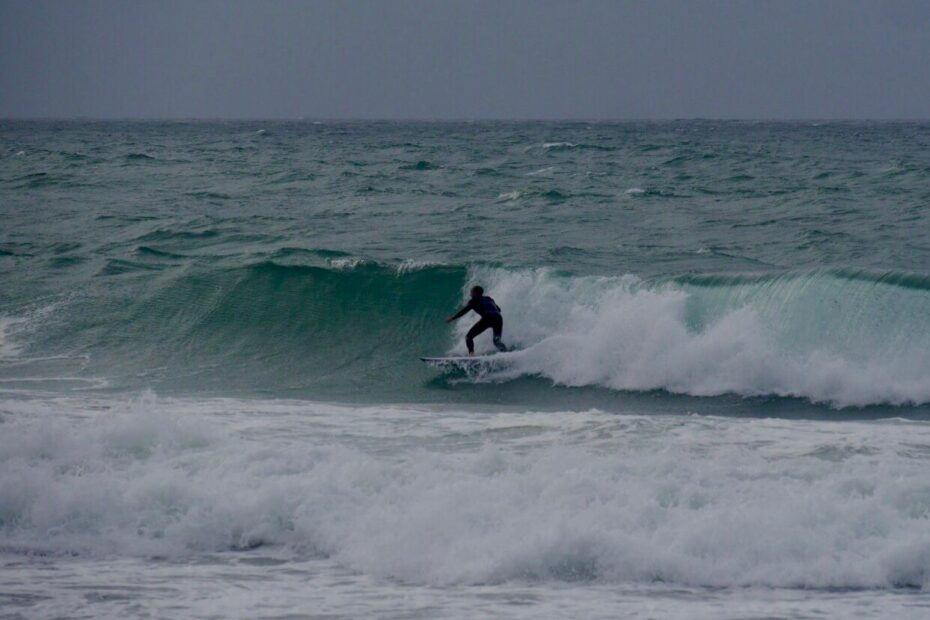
pixel 490 317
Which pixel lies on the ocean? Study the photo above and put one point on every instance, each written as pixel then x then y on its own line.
pixel 211 402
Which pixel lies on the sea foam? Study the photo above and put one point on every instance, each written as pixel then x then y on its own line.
pixel 835 338
pixel 443 497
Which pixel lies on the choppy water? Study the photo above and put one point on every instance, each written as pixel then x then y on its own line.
pixel 208 367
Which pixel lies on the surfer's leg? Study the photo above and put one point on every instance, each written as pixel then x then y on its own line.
pixel 498 327
pixel 476 329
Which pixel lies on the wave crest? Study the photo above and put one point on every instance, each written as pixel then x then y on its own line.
pixel 844 338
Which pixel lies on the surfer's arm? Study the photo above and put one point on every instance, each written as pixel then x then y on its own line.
pixel 459 314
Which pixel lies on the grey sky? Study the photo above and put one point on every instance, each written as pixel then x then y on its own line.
pixel 476 59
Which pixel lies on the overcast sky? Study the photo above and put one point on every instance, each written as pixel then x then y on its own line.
pixel 475 59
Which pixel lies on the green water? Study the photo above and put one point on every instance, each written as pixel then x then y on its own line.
pixel 319 259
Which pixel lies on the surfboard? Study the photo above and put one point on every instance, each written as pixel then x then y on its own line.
pixel 456 358
pixel 465 362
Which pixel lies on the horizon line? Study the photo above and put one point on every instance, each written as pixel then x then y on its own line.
pixel 477 119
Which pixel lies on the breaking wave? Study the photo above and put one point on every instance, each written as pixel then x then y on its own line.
pixel 557 497
pixel 844 338
pixel 327 324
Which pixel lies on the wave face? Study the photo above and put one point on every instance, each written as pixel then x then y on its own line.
pixel 437 498
pixel 336 327
pixel 327 330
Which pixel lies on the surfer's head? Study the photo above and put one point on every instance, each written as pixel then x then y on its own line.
pixel 476 291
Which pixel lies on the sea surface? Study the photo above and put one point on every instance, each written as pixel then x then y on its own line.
pixel 212 406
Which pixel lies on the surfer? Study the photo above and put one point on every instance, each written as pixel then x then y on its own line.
pixel 490 317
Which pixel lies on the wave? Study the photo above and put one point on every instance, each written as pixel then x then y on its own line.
pixel 33 180
pixel 420 165
pixel 322 322
pixel 567 146
pixel 139 157
pixel 336 325
pixel 550 195
pixel 847 338
pixel 532 497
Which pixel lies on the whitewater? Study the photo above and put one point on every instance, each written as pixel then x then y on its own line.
pixel 211 402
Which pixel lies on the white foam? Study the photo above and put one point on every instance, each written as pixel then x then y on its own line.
pixel 439 497
pixel 345 264
pixel 410 265
pixel 540 171
pixel 508 196
pixel 614 333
